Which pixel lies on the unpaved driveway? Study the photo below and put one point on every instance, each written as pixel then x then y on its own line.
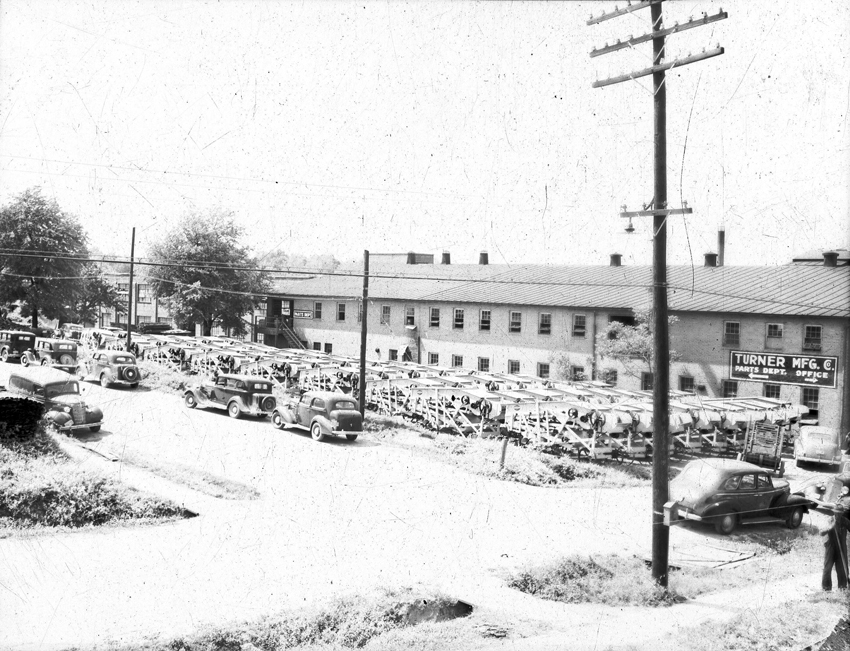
pixel 332 517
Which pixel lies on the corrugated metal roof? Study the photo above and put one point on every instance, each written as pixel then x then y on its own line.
pixel 778 290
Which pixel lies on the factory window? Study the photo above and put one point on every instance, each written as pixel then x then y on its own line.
pixel 771 391
pixel 393 354
pixel 457 361
pixel 143 294
pixel 516 322
pixel 484 322
pixel 609 376
pixel 410 316
pixel 329 348
pixel 810 397
pixel 433 359
pixel 686 383
pixel 545 325
pixel 577 373
pixel 774 335
pixel 434 320
pixel 646 381
pixel 317 345
pixel 543 371
pixel 731 333
pixel 484 364
pixel 458 323
pixel 812 338
pixel 340 311
pixel 317 311
pixel 513 366
pixel 730 388
pixel 579 325
pixel 142 319
pixel 385 314
pixel 163 319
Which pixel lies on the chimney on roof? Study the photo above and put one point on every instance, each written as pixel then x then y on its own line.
pixel 447 258
pixel 830 258
pixel 483 258
pixel 616 259
pixel 411 257
pixel 711 259
pixel 721 247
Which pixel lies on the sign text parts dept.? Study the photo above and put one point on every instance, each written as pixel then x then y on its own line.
pixel 802 370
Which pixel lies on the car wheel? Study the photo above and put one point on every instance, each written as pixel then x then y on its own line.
pixel 104 381
pixel 277 420
pixel 316 432
pixel 25 360
pixel 794 518
pixel 94 428
pixel 44 362
pixel 233 410
pixel 725 523
pixel 351 437
pixel 4 355
pixel 189 400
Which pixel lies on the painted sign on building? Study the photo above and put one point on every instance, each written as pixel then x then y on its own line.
pixel 801 370
pixel 303 314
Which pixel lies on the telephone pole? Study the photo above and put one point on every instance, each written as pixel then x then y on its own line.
pixel 130 290
pixel 659 211
pixel 363 332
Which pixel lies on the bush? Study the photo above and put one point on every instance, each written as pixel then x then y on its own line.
pixel 158 377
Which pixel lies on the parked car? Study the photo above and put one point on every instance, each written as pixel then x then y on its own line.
pixel 71 330
pixel 58 353
pixel 60 394
pixel 818 445
pixel 323 413
pixel 828 493
pixel 14 343
pixel 111 367
pixel 238 394
pixel 727 492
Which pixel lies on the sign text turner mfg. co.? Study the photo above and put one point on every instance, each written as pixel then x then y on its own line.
pixel 803 370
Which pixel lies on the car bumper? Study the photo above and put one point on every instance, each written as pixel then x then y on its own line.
pixel 70 428
pixel 675 512
pixel 346 432
pixel 819 459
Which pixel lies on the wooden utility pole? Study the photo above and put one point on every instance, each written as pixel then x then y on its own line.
pixel 658 210
pixel 363 331
pixel 130 290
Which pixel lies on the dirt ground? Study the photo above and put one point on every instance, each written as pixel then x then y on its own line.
pixel 331 518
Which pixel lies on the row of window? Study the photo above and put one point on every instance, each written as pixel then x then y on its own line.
pixel 484 364
pixel 774 336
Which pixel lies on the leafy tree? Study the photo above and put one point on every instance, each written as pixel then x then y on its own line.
pixel 632 345
pixel 95 292
pixel 197 293
pixel 281 260
pixel 41 284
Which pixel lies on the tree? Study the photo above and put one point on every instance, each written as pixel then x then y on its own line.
pixel 196 292
pixel 35 236
pixel 95 292
pixel 281 260
pixel 632 345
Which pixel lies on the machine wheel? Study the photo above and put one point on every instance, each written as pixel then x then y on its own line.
pixel 617 455
pixel 94 428
pixel 233 410
pixel 351 437
pixel 725 523
pixel 189 400
pixel 316 432
pixel 583 454
pixel 277 420
pixel 794 518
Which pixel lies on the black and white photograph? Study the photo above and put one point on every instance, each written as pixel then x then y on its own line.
pixel 424 325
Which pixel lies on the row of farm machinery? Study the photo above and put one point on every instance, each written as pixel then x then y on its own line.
pixel 589 420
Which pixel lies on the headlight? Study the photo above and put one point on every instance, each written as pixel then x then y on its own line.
pixel 844 491
pixel 334 423
pixel 66 409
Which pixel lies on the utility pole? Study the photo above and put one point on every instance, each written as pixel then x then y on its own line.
pixel 363 331
pixel 659 211
pixel 130 289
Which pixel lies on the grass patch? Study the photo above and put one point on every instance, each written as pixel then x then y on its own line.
pixel 158 377
pixel 345 623
pixel 199 480
pixel 40 486
pixel 789 626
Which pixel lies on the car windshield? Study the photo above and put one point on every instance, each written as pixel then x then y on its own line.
pixel 121 359
pixel 345 404
pixel 66 388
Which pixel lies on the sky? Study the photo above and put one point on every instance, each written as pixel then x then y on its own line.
pixel 332 127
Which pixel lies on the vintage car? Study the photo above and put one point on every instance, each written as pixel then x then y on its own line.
pixel 71 331
pixel 58 353
pixel 828 493
pixel 238 394
pixel 14 343
pixel 726 492
pixel 818 445
pixel 111 367
pixel 323 413
pixel 59 392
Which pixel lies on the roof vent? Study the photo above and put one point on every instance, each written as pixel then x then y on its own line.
pixel 616 259
pixel 447 257
pixel 830 258
pixel 710 259
pixel 483 258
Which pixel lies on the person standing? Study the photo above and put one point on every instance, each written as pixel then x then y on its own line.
pixel 835 548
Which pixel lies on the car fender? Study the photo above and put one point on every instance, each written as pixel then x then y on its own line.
pixel 93 415
pixel 287 414
pixel 324 421
pixel 717 508
pixel 58 418
pixel 792 500
pixel 239 401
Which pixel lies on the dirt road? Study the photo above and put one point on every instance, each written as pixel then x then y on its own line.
pixel 332 518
